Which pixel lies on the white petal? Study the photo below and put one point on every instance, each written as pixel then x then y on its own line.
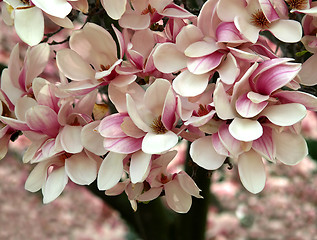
pixel 92 140
pixel 290 148
pixel 203 153
pixel 37 177
pixel 245 129
pixel 289 31
pixel 81 169
pixel 110 171
pixel 158 143
pixel 57 8
pixel 139 166
pixel 114 9
pixel 29 25
pixel 223 107
pixel 167 58
pixel 54 185
pixel 71 139
pixel 188 184
pixel 285 114
pixel 190 85
pixel 177 199
pixel 252 171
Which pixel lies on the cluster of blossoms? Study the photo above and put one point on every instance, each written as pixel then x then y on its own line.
pixel 210 79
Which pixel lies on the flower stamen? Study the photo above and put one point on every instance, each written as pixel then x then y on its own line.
pixel 258 19
pixel 297 4
pixel 157 126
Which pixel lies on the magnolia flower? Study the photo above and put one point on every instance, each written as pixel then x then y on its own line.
pixel 155 115
pixel 52 175
pixel 28 17
pixel 251 17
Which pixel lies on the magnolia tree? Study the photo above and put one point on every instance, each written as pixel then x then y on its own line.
pixel 137 78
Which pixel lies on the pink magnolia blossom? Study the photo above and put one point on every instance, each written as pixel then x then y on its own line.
pixel 251 17
pixel 91 61
pixel 26 15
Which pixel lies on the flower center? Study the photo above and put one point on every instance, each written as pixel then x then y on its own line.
pixel 202 111
pixel 258 19
pixel 297 4
pixel 157 126
pixel 149 9
pixel 25 2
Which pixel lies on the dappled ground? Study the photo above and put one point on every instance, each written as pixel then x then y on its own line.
pixel 285 209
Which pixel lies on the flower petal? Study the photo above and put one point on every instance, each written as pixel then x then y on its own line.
pixel 203 153
pixel 111 170
pixel 158 143
pixel 290 148
pixel 71 139
pixel 245 129
pixel 252 171
pixel 285 114
pixel 139 166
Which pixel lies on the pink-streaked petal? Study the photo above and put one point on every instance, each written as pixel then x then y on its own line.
pixel 276 77
pixel 264 145
pixel 203 154
pixel 177 199
pixel 248 109
pixel 159 143
pixel 290 148
pixel 223 107
pixel 227 32
pixel 124 145
pixel 110 126
pixel 268 10
pixel 139 166
pixel 167 58
pixel 81 169
pixel 201 65
pixel 92 140
pixel 169 109
pixel 252 171
pixel 73 66
pixel 308 72
pixel 188 184
pixel 230 143
pixel 14 123
pixel 218 145
pixel 289 31
pixel 308 100
pixel 110 171
pixel 57 8
pixel 229 70
pixel 187 84
pixel 71 139
pixel 54 185
pixel 201 48
pixel 29 25
pixel 285 114
pixel 42 118
pixel 114 9
pixel 245 129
